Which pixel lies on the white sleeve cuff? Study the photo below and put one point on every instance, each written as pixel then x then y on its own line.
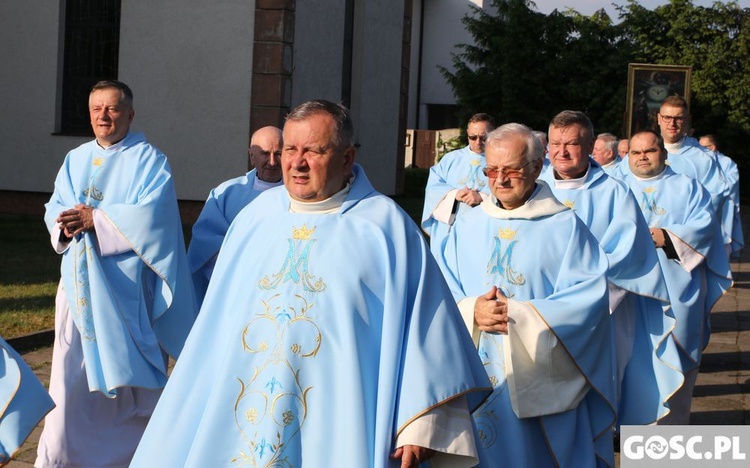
pixel 689 257
pixel 542 378
pixel 466 307
pixel 57 244
pixel 447 429
pixel 444 209
pixel 111 240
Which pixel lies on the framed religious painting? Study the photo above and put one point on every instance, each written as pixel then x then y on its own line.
pixel 648 86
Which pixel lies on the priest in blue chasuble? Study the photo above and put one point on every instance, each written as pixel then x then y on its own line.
pixel 530 281
pixel 328 336
pixel 646 357
pixel 226 201
pixel 456 184
pixel 125 298
pixel 689 243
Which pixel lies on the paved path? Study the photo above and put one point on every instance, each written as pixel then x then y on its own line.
pixel 722 393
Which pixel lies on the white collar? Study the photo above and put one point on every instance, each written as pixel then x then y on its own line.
pixel 658 176
pixel 674 147
pixel 327 206
pixel 571 184
pixel 541 203
pixel 262 185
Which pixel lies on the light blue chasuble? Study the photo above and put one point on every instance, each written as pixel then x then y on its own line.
pixel 542 255
pixel 609 210
pixel 321 337
pixel 127 306
pixel 223 204
pixel 611 168
pixel 681 206
pixel 731 221
pixel 23 400
pixel 458 169
pixel 689 158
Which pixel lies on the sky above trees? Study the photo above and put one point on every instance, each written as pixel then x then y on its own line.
pixel 587 7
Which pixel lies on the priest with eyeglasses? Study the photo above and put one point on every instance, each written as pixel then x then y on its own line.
pixel 530 282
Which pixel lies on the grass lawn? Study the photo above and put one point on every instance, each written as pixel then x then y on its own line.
pixel 29 282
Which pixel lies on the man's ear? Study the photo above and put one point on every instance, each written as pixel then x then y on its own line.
pixel 349 155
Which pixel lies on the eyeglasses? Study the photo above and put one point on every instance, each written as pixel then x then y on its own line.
pixel 474 137
pixel 670 118
pixel 509 172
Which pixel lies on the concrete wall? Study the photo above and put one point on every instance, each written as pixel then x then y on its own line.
pixel 443 30
pixel 376 67
pixel 188 63
pixel 30 155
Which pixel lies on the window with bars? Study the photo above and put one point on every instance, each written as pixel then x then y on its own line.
pixel 90 54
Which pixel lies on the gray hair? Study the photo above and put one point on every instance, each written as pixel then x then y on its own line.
pixel 610 141
pixel 541 135
pixel 568 118
pixel 343 135
pixel 534 150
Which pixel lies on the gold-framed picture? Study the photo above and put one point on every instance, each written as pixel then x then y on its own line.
pixel 648 86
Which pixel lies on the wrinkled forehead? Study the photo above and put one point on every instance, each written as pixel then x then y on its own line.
pixel 107 96
pixel 570 132
pixel 505 152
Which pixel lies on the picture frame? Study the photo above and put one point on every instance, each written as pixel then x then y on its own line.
pixel 648 86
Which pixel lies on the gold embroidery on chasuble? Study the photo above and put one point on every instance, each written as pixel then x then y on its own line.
pixel 648 202
pixel 500 263
pixel 282 337
pixel 474 179
pixel 92 192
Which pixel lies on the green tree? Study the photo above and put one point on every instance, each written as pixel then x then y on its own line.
pixel 505 72
pixel 525 66
pixel 715 42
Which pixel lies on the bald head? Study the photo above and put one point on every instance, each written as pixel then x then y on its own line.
pixel 265 153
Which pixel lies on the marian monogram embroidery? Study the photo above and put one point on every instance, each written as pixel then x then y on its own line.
pixel 295 267
pixel 475 180
pixel 648 203
pixel 500 263
pixel 92 192
pixel 271 406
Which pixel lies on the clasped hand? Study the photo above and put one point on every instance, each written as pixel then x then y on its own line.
pixel 491 312
pixel 657 235
pixel 76 220
pixel 469 196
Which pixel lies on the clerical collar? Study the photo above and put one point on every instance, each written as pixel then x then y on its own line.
pixel 262 185
pixel 571 184
pixel 327 206
pixel 541 203
pixel 658 176
pixel 112 147
pixel 675 147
